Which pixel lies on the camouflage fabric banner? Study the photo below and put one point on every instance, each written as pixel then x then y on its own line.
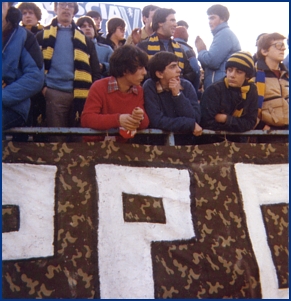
pixel 109 220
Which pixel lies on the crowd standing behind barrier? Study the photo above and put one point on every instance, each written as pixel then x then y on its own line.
pixel 59 102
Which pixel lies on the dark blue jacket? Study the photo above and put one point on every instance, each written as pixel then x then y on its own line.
pixel 217 98
pixel 170 113
pixel 22 70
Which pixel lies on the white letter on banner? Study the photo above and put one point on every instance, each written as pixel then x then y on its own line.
pixel 124 248
pixel 32 188
pixel 263 185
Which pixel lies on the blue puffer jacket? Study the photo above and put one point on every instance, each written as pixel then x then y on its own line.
pixel 213 61
pixel 22 70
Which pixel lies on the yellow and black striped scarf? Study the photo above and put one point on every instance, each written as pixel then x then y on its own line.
pixel 82 69
pixel 244 91
pixel 154 47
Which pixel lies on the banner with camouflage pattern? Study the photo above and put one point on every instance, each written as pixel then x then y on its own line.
pixel 108 220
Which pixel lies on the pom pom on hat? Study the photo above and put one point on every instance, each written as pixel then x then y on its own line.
pixel 242 60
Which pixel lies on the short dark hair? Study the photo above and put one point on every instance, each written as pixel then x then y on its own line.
pixel 265 42
pixel 94 14
pixel 88 19
pixel 147 9
pixel 160 16
pixel 30 5
pixel 220 10
pixel 183 23
pixel 127 58
pixel 76 6
pixel 112 25
pixel 159 62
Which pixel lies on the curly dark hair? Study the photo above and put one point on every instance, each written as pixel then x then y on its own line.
pixel 30 5
pixel 127 58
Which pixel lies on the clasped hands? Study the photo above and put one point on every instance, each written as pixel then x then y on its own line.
pixel 132 121
pixel 200 45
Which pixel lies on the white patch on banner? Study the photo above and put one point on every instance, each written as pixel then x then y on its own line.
pixel 263 185
pixel 124 249
pixel 32 188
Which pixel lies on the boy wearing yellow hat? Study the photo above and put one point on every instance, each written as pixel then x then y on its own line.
pixel 231 104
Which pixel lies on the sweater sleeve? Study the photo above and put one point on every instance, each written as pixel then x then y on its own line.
pixel 185 107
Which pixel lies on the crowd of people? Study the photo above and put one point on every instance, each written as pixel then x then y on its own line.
pixel 69 74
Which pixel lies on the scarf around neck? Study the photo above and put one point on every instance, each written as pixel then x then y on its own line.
pixel 154 47
pixel 82 69
pixel 244 91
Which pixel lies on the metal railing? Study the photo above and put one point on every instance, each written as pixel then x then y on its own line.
pixel 114 132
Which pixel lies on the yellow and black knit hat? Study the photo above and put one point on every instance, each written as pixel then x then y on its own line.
pixel 242 60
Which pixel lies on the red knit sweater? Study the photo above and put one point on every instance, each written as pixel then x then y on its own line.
pixel 102 109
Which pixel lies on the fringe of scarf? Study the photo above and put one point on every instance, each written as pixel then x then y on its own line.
pixel 82 69
pixel 154 47
pixel 244 91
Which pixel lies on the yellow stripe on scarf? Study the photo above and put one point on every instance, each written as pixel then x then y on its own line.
pixel 83 76
pixel 181 65
pixel 244 91
pixel 52 31
pixel 78 35
pixel 81 56
pixel 154 48
pixel 47 53
pixel 80 93
pixel 154 39
pixel 237 113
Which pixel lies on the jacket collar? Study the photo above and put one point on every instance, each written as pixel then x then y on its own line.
pixel 219 27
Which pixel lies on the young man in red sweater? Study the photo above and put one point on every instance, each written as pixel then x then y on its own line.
pixel 118 101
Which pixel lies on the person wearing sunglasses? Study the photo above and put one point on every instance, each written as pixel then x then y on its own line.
pixel 272 79
pixel 71 66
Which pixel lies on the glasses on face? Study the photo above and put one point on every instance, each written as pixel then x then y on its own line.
pixel 121 29
pixel 279 45
pixel 65 4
